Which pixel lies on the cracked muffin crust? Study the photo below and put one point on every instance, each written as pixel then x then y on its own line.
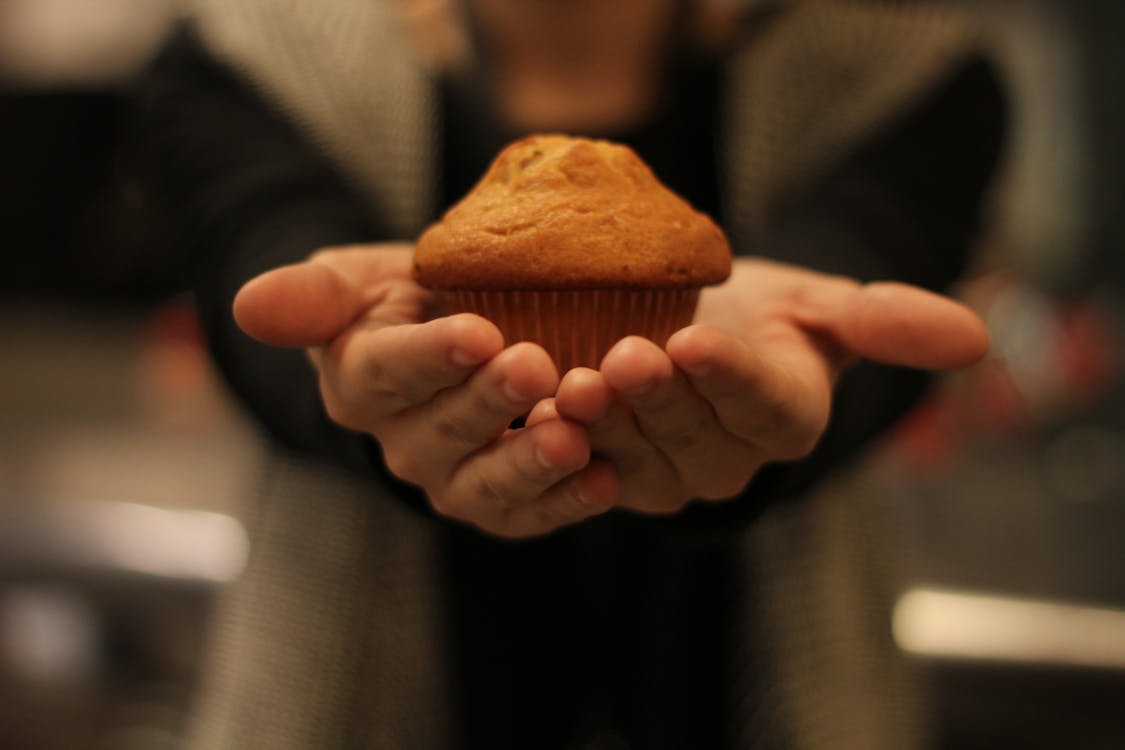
pixel 559 212
pixel 573 244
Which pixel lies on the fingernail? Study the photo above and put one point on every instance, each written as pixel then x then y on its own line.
pixel 511 392
pixel 542 459
pixel 582 497
pixel 463 358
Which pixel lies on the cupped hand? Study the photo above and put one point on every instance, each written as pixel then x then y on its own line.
pixel 437 393
pixel 751 382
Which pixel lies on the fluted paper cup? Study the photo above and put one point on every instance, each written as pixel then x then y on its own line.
pixel 578 327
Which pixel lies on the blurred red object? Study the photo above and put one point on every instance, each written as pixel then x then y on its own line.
pixel 175 370
pixel 1051 360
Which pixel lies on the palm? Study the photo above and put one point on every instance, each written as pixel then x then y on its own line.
pixel 752 380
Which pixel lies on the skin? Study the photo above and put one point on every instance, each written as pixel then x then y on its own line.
pixel 652 429
pixel 575 65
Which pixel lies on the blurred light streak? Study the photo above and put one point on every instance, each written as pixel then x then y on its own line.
pixel 175 543
pixel 192 546
pixel 960 625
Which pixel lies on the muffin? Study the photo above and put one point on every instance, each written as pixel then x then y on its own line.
pixel 573 244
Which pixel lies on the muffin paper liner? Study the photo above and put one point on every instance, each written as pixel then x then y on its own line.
pixel 578 327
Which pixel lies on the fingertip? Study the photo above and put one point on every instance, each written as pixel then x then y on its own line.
pixel 544 411
pixel 528 371
pixel 305 304
pixel 978 341
pixel 634 363
pixel 561 444
pixel 687 337
pixel 631 347
pixel 584 395
pixel 694 349
pixel 578 377
pixel 598 486
pixel 475 339
pixel 901 324
pixel 254 299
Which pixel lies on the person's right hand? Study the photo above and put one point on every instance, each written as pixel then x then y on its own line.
pixel 438 394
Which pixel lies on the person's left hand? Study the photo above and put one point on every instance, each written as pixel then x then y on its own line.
pixel 752 381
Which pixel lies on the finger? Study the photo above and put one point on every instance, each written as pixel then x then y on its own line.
pixel 298 306
pixel 649 482
pixel 585 396
pixel 896 324
pixel 543 411
pixel 308 304
pixel 428 442
pixel 678 421
pixel 511 472
pixel 590 492
pixel 779 404
pixel 374 372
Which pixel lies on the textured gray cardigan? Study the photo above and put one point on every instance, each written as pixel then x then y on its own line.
pixel 334 636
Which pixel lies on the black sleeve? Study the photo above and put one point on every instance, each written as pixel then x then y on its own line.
pixel 906 206
pixel 247 193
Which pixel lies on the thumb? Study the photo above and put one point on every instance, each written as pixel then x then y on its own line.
pixel 301 305
pixel 308 304
pixel 899 324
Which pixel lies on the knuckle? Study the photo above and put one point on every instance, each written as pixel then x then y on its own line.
pixel 339 411
pixel 774 424
pixel 487 493
pixel 676 437
pixel 668 505
pixel 338 406
pixel 389 391
pixel 333 254
pixel 465 426
pixel 402 463
pixel 508 532
pixel 441 505
pixel 376 377
pixel 545 520
pixel 487 405
pixel 774 414
pixel 660 402
pixel 658 503
pixel 800 446
pixel 805 433
pixel 325 255
pixel 603 428
pixel 390 401
pixel 679 426
pixel 720 488
pixel 455 429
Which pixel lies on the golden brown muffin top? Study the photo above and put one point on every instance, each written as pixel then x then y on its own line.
pixel 558 212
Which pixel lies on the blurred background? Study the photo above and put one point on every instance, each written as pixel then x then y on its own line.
pixel 125 468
